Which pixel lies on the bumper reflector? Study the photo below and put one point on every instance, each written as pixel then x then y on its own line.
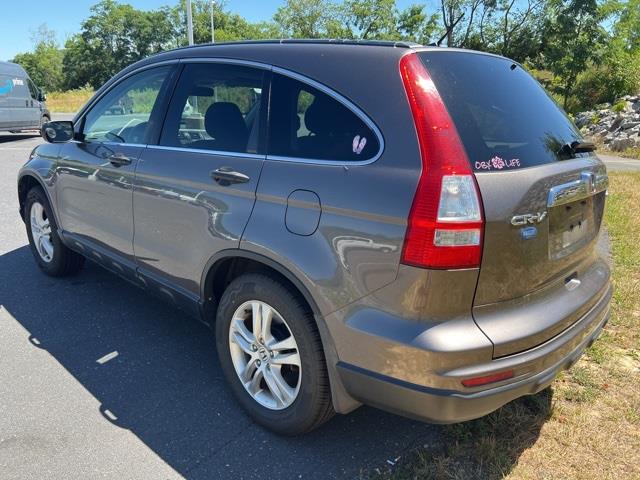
pixel 496 377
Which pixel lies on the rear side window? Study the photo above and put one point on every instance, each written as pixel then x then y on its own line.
pixel 215 106
pixel 504 117
pixel 309 124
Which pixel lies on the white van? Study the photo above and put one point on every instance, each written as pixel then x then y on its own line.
pixel 22 105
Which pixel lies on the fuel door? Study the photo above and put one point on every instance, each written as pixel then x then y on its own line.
pixel 303 212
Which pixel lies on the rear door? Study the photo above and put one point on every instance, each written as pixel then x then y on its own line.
pixel 195 190
pixel 543 203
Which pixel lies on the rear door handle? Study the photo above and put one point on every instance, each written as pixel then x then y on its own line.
pixel 119 160
pixel 226 176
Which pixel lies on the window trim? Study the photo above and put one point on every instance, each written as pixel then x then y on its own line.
pixel 249 63
pixel 220 153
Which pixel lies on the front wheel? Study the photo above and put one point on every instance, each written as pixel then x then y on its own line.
pixel 51 255
pixel 271 354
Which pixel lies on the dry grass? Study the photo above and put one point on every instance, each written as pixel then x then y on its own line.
pixel 587 425
pixel 69 101
pixel 631 152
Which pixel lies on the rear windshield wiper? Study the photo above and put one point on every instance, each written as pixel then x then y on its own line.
pixel 576 147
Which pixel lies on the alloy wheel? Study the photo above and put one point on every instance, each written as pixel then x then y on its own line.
pixel 265 355
pixel 41 232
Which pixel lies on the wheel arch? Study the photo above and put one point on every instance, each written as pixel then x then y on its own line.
pixel 219 264
pixel 26 181
pixel 219 271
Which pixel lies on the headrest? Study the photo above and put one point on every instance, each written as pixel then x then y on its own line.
pixel 197 91
pixel 326 116
pixel 225 123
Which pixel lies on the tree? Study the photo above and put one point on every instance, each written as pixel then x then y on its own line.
pixel 506 27
pixel 114 36
pixel 413 23
pixel 572 37
pixel 380 19
pixel 44 64
pixel 308 19
pixel 627 27
pixel 371 18
pixel 228 26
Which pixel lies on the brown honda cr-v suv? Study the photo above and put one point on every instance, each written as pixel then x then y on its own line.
pixel 408 227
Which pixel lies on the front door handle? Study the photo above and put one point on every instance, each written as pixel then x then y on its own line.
pixel 226 176
pixel 119 160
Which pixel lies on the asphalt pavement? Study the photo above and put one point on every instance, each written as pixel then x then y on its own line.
pixel 620 164
pixel 100 380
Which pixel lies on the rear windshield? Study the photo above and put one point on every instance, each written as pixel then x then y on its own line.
pixel 504 117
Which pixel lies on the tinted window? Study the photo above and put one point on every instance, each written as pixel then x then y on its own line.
pixel 307 123
pixel 504 117
pixel 215 107
pixel 122 115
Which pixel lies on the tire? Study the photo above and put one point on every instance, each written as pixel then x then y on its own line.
pixel 44 119
pixel 61 261
pixel 311 404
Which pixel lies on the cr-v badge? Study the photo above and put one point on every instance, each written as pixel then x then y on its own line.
pixel 528 219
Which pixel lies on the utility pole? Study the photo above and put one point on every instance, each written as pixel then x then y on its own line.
pixel 213 30
pixel 189 23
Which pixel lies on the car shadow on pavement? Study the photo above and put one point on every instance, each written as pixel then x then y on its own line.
pixel 165 386
pixel 12 137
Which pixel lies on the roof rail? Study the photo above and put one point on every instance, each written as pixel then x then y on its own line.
pixel 309 41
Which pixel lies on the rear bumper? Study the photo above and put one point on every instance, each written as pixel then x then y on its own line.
pixel 534 370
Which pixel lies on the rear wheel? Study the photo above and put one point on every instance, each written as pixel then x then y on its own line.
pixel 51 255
pixel 271 354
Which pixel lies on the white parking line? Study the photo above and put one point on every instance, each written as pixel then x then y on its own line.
pixel 107 357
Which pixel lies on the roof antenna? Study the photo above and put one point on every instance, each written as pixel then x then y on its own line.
pixel 449 30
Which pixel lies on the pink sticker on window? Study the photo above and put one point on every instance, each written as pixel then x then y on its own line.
pixel 358 144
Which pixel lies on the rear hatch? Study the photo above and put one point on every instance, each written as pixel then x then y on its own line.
pixel 543 199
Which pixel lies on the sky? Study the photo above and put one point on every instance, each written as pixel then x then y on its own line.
pixel 18 19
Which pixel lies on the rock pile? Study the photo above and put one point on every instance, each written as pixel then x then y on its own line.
pixel 617 126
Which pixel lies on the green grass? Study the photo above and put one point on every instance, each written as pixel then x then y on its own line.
pixel 587 425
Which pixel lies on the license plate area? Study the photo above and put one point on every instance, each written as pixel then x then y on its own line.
pixel 572 226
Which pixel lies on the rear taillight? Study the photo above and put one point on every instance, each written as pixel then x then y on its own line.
pixel 445 225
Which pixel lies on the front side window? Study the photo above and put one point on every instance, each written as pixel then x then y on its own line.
pixel 33 90
pixel 309 124
pixel 215 107
pixel 123 114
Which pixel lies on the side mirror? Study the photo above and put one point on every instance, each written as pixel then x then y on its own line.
pixel 57 132
pixel 41 96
